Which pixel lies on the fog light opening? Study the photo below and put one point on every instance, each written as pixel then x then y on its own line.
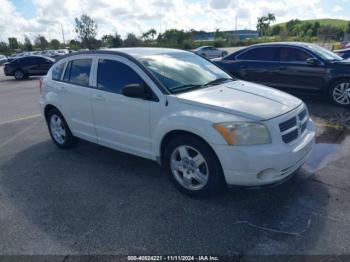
pixel 268 174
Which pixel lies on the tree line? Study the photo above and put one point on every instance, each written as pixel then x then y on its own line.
pixel 301 30
pixel 86 30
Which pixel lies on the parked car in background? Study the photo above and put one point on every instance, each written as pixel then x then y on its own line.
pixel 3 59
pixel 344 53
pixel 210 52
pixel 62 52
pixel 294 67
pixel 16 56
pixel 179 109
pixel 24 67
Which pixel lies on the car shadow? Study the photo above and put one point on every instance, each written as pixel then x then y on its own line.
pixel 11 79
pixel 93 200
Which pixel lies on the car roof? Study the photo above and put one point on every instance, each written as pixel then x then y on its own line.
pixel 201 47
pixel 134 52
pixel 34 56
pixel 302 44
pixel 138 51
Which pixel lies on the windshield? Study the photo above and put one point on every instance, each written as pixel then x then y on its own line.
pixel 325 54
pixel 183 71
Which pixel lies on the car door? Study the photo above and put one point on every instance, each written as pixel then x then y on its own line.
pixel 121 122
pixel 44 65
pixel 75 89
pixel 28 65
pixel 212 52
pixel 294 72
pixel 216 52
pixel 256 64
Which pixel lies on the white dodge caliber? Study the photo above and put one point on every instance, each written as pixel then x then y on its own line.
pixel 204 127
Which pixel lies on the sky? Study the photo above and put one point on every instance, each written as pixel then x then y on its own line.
pixel 45 17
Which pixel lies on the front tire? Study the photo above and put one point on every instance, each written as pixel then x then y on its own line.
pixel 193 167
pixel 339 93
pixel 59 130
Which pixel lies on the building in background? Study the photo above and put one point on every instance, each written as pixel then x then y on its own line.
pixel 239 34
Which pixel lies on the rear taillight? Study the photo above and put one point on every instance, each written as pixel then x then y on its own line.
pixel 41 85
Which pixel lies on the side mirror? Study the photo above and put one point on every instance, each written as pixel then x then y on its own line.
pixel 313 61
pixel 136 91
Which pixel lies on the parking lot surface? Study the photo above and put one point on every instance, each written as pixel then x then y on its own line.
pixel 93 200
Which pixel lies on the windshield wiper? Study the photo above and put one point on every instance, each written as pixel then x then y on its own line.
pixel 218 81
pixel 185 87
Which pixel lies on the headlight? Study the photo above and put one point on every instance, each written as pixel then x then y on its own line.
pixel 244 133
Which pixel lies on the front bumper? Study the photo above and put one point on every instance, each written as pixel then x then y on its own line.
pixel 7 71
pixel 264 164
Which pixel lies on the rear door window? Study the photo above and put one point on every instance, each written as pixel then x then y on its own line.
pixel 259 54
pixel 289 54
pixel 78 72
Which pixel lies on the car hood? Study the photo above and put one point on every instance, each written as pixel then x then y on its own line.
pixel 245 99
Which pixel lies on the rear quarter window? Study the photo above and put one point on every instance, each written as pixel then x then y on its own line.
pixel 57 71
pixel 78 72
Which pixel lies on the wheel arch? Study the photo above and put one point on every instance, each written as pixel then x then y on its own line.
pixel 338 79
pixel 178 133
pixel 51 106
pixel 48 108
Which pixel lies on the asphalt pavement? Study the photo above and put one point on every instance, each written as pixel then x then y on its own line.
pixel 93 200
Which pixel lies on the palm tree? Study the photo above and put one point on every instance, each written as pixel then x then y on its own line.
pixel 271 18
pixel 152 32
pixel 264 23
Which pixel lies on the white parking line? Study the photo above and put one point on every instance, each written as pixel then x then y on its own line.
pixel 20 119
pixel 15 136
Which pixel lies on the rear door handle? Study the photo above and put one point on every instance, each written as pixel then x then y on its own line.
pixel 99 97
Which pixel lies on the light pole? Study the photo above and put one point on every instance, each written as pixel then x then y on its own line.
pixel 64 42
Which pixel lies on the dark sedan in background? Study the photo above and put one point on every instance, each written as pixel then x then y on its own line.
pixel 24 67
pixel 293 67
pixel 344 53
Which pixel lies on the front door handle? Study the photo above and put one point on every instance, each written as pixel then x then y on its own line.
pixel 99 97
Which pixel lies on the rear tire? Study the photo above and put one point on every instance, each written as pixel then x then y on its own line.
pixel 19 75
pixel 59 130
pixel 339 93
pixel 193 167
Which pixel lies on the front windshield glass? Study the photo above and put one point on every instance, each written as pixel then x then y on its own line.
pixel 325 54
pixel 183 71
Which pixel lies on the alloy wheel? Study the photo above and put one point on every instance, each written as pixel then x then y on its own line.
pixel 341 93
pixel 189 167
pixel 57 129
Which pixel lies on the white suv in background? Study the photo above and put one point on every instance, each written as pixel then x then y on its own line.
pixel 179 109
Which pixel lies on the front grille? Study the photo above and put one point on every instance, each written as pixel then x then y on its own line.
pixel 288 124
pixel 289 137
pixel 293 127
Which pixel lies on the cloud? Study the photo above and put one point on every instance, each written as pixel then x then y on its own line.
pixel 337 9
pixel 124 16
pixel 220 4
